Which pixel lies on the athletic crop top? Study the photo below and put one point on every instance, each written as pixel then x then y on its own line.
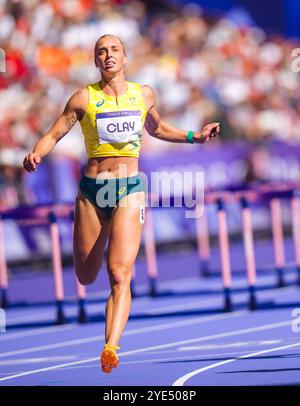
pixel 112 129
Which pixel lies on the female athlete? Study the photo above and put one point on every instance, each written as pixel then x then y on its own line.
pixel 110 206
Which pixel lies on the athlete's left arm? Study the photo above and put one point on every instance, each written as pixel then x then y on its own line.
pixel 159 129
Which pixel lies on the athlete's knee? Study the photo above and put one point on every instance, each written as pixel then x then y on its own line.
pixel 120 275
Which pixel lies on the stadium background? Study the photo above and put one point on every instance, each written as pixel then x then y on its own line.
pixel 225 61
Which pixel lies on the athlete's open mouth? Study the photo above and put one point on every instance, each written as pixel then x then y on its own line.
pixel 110 63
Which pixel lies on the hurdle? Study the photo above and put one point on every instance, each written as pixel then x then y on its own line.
pixel 150 252
pixel 81 291
pixel 43 214
pixel 224 253
pixel 150 255
pixel 245 197
pixel 275 197
pixel 151 259
pixel 3 269
pixel 57 268
pixel 203 242
pixel 295 210
pixel 278 240
pixel 266 194
pixel 249 251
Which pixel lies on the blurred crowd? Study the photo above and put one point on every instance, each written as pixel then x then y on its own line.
pixel 204 68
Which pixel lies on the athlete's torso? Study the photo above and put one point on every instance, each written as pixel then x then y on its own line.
pixel 113 127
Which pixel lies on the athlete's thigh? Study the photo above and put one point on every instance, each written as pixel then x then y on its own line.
pixel 90 236
pixel 126 231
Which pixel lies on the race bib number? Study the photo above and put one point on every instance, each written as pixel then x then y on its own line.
pixel 119 126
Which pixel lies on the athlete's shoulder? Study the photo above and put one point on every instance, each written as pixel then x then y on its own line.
pixel 79 100
pixel 148 90
pixel 149 96
pixel 80 94
pixel 94 86
pixel 133 87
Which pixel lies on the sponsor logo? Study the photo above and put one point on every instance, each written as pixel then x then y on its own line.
pixel 122 190
pixel 99 104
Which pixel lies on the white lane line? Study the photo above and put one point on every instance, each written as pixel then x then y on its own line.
pixel 24 361
pixel 228 345
pixel 155 347
pixel 181 381
pixel 163 360
pixel 141 330
pixel 37 331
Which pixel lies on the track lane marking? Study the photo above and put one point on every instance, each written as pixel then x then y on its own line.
pixel 182 380
pixel 146 349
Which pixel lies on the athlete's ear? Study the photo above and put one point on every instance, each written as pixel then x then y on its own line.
pixel 125 60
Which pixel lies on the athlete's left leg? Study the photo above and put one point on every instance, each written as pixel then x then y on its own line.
pixel 123 246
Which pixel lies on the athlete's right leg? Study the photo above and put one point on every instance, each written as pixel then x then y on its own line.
pixel 90 234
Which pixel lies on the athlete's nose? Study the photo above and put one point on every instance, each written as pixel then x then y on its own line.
pixel 109 54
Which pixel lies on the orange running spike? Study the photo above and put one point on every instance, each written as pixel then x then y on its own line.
pixel 109 358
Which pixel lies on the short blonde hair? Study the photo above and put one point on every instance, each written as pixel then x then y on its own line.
pixel 109 35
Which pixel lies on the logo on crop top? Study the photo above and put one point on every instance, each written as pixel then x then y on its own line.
pixel 99 104
pixel 122 190
pixel 132 99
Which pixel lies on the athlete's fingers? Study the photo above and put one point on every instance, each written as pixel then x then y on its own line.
pixel 29 162
pixel 28 167
pixel 34 160
pixel 208 130
pixel 37 159
pixel 215 131
pixel 25 163
pixel 213 127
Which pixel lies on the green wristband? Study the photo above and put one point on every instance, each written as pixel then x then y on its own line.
pixel 190 137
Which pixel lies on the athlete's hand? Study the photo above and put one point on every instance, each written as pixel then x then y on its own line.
pixel 31 161
pixel 208 132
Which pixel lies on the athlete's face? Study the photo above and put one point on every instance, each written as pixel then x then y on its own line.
pixel 109 55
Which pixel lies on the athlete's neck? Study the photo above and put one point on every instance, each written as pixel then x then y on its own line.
pixel 114 86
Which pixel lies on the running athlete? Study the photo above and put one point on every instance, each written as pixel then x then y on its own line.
pixel 112 114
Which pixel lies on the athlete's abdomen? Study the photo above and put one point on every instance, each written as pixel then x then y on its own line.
pixel 116 166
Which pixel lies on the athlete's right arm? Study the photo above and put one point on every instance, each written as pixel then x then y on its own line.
pixel 74 110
